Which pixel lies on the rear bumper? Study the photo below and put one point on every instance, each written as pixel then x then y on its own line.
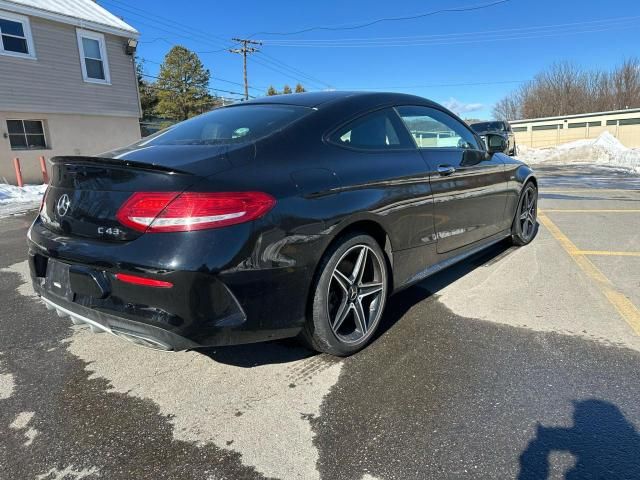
pixel 108 315
pixel 138 333
pixel 213 302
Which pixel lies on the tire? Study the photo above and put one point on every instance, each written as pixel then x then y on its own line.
pixel 347 302
pixel 525 226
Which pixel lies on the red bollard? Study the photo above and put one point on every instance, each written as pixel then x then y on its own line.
pixel 43 169
pixel 16 165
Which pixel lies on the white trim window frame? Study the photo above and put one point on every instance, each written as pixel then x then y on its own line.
pixel 26 35
pixel 92 57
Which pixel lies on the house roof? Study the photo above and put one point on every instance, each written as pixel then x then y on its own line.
pixel 82 13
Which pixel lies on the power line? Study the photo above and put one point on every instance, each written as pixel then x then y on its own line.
pixel 247 48
pixel 165 21
pixel 387 19
pixel 276 69
pixel 174 28
pixel 213 77
pixel 192 33
pixel 465 41
pixel 459 39
pixel 175 90
pixel 434 85
pixel 459 34
pixel 295 70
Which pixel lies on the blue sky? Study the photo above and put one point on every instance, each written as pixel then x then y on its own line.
pixel 438 57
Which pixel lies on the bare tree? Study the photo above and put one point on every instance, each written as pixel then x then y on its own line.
pixel 625 84
pixel 565 89
pixel 508 108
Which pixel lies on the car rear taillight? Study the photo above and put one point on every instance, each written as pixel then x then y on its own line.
pixel 183 212
pixel 143 281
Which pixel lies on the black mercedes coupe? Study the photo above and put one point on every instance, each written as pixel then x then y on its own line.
pixel 293 215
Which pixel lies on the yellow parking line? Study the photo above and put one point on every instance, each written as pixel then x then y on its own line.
pixel 607 253
pixel 601 210
pixel 588 190
pixel 627 310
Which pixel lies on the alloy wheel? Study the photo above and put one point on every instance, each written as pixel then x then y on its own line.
pixel 356 294
pixel 528 212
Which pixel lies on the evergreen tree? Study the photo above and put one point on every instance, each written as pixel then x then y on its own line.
pixel 300 88
pixel 286 89
pixel 148 92
pixel 271 91
pixel 183 85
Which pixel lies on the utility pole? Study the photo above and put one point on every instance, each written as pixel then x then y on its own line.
pixel 247 48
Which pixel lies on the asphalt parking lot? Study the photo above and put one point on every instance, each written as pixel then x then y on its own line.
pixel 519 363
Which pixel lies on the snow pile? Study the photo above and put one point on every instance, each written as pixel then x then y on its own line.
pixel 26 194
pixel 15 200
pixel 604 150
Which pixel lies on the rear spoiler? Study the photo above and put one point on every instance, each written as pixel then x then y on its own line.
pixel 113 162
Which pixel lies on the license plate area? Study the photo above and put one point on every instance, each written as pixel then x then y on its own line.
pixel 57 280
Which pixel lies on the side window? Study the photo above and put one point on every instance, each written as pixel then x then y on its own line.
pixel 380 130
pixel 93 56
pixel 15 36
pixel 26 134
pixel 432 128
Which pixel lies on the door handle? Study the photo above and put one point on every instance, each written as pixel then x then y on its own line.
pixel 445 170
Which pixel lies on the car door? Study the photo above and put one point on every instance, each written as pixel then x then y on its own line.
pixel 469 186
pixel 382 173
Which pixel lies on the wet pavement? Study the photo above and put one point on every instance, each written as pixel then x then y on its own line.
pixel 513 364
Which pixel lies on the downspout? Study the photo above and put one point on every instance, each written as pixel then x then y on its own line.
pixel 135 79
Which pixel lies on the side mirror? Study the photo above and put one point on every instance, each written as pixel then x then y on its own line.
pixel 495 143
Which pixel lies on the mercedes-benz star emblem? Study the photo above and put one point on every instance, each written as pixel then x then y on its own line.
pixel 63 205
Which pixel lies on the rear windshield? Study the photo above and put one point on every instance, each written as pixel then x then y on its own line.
pixel 236 124
pixel 488 126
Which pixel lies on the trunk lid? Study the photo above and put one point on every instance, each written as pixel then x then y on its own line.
pixel 85 193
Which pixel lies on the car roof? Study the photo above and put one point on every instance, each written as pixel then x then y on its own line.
pixel 317 99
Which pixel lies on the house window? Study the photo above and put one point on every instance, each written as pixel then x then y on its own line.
pixel 630 121
pixel 519 129
pixel 93 57
pixel 26 134
pixel 577 125
pixel 15 36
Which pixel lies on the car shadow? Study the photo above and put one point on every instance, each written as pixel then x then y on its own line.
pixel 258 354
pixel 289 350
pixel 400 303
pixel 604 443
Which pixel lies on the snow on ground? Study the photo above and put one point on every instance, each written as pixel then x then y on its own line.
pixel 604 150
pixel 19 199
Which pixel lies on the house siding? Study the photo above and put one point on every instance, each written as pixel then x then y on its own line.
pixel 67 134
pixel 53 83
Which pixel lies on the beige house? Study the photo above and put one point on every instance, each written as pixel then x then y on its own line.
pixel 67 82
pixel 552 131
